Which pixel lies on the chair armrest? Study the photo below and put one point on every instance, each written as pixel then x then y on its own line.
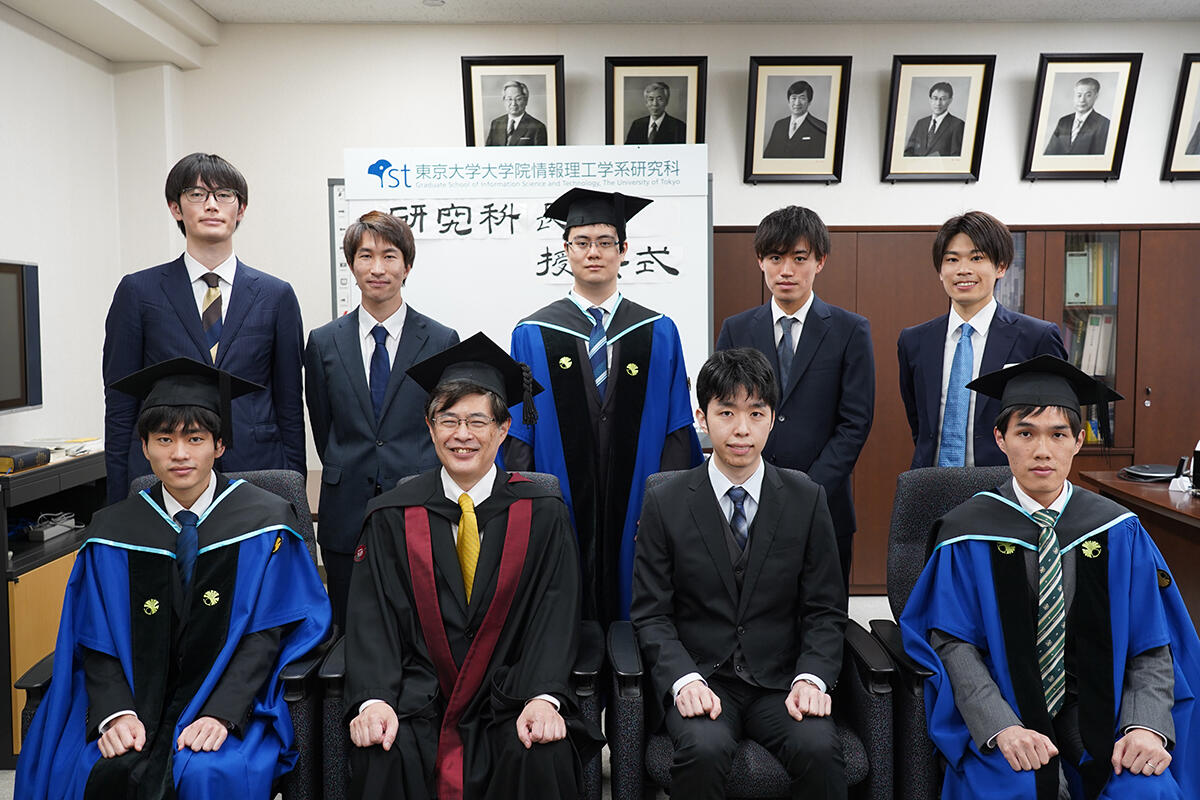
pixel 873 663
pixel 625 658
pixel 332 671
pixel 887 633
pixel 296 675
pixel 589 661
pixel 37 677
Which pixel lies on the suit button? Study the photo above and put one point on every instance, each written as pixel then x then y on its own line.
pixel 740 630
pixel 782 418
pixel 379 443
pixel 604 417
pixel 738 668
pixel 469 633
pixel 738 570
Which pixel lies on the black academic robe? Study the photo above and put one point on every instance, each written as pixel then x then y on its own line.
pixel 510 657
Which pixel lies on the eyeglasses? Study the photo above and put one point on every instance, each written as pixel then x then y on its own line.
pixel 584 245
pixel 450 422
pixel 198 194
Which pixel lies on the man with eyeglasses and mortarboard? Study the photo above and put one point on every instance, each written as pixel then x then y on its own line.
pixel 616 407
pixel 185 602
pixel 463 618
pixel 1064 661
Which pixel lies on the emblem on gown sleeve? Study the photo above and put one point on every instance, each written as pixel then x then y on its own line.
pixel 150 607
pixel 565 362
pixel 1164 579
pixel 278 544
pixel 1007 548
pixel 1091 548
pixel 211 597
pixel 631 369
pixel 360 552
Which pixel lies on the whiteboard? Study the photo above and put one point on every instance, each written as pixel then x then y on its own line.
pixel 486 257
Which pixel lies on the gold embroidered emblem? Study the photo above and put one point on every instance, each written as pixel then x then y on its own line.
pixel 1091 548
pixel 565 362
pixel 211 597
pixel 1007 548
pixel 278 544
pixel 150 607
pixel 631 369
pixel 1164 579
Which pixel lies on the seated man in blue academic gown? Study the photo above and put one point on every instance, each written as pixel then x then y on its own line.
pixel 184 604
pixel 1064 661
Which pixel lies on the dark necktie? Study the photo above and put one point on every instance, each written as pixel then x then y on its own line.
pixel 381 369
pixel 953 452
pixel 1052 614
pixel 786 350
pixel 737 522
pixel 653 133
pixel 598 349
pixel 932 127
pixel 185 546
pixel 210 315
pixel 512 131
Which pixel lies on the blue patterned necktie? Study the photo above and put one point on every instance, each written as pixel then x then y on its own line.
pixel 185 546
pixel 953 451
pixel 598 349
pixel 786 350
pixel 1052 612
pixel 381 369
pixel 737 521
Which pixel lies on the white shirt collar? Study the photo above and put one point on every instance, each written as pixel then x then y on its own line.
pixel 1031 505
pixel 801 313
pixel 608 306
pixel 173 507
pixel 937 118
pixel 721 484
pixel 515 120
pixel 225 270
pixel 479 492
pixel 1083 117
pixel 980 323
pixel 393 324
pixel 798 121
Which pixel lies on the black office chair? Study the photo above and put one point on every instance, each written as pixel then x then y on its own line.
pixel 585 680
pixel 299 678
pixel 922 497
pixel 862 713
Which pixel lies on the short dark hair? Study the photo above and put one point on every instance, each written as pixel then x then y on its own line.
pixel 781 229
pixel 168 419
pixel 987 233
pixel 209 169
pixel 387 227
pixel 1095 84
pixel 801 87
pixel 447 394
pixel 942 86
pixel 1021 412
pixel 726 371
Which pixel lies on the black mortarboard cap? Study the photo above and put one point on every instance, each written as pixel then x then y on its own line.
pixel 482 362
pixel 187 382
pixel 1049 381
pixel 589 207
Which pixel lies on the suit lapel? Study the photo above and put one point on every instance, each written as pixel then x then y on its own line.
pixel 815 326
pixel 767 521
pixel 412 339
pixel 1002 335
pixel 762 335
pixel 706 516
pixel 245 297
pixel 178 291
pixel 933 350
pixel 349 350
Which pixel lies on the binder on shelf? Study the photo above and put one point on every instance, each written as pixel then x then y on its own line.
pixel 1079 278
pixel 1091 344
pixel 1105 345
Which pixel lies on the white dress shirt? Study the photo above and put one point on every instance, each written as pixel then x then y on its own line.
pixel 800 316
pixel 225 271
pixel 936 122
pixel 980 323
pixel 654 122
pixel 393 325
pixel 609 307
pixel 795 124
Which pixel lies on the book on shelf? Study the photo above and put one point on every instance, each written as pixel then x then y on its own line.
pixel 1079 278
pixel 15 459
pixel 1091 345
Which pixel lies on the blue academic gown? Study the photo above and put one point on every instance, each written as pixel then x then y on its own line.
pixel 602 466
pixel 962 592
pixel 124 599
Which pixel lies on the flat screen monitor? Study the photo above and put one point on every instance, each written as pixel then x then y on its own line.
pixel 20 337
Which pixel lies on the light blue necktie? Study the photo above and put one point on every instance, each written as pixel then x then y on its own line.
pixel 185 547
pixel 786 351
pixel 381 370
pixel 741 531
pixel 598 349
pixel 953 451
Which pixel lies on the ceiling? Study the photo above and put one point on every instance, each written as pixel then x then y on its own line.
pixel 695 11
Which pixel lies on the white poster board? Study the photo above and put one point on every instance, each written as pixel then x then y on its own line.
pixel 487 258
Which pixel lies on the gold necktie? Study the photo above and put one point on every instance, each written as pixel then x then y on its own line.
pixel 468 542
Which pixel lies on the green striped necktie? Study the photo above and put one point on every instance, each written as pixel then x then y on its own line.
pixel 1052 615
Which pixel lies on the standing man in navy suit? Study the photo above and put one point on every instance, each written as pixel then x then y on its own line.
pixel 822 358
pixel 367 415
pixel 209 306
pixel 952 427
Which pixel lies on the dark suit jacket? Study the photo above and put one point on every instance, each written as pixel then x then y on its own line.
pixel 1012 338
pixel 809 141
pixel 1092 138
pixel 946 141
pixel 530 131
pixel 790 616
pixel 825 411
pixel 355 449
pixel 153 317
pixel 670 131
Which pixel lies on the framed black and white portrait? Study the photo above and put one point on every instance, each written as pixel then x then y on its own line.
pixel 1182 161
pixel 937 116
pixel 1081 110
pixel 655 100
pixel 512 101
pixel 796 118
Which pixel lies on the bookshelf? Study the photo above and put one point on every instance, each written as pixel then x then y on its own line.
pixel 1090 309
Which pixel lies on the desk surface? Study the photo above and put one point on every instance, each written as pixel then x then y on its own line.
pixel 1180 506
